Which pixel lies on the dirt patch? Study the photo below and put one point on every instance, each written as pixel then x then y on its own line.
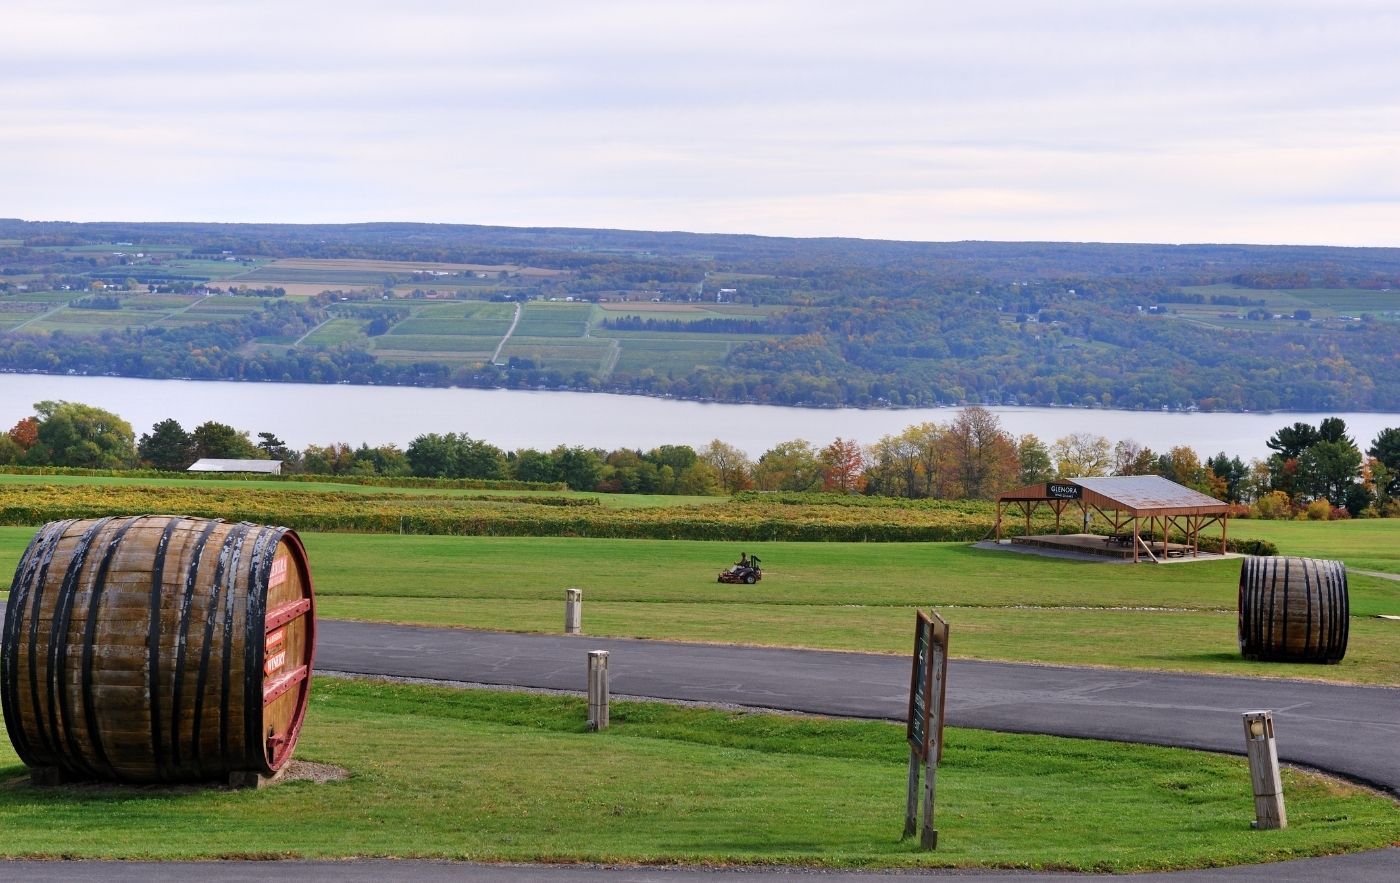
pixel 309 771
pixel 293 771
pixel 378 266
pixel 642 306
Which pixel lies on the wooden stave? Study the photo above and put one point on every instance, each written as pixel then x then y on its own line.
pixel 65 724
pixel 1271 600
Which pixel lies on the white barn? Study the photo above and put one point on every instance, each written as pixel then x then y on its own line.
pixel 270 467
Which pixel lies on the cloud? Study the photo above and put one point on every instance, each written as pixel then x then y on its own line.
pixel 1177 121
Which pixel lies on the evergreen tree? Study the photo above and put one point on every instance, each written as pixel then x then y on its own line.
pixel 167 446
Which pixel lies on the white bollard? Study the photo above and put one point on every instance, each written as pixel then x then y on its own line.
pixel 573 611
pixel 597 689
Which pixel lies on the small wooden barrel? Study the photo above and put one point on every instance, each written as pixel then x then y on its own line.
pixel 156 648
pixel 1293 609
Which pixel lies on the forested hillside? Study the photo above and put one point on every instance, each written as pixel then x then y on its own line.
pixel 727 317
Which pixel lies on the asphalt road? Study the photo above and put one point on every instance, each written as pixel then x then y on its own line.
pixel 1351 731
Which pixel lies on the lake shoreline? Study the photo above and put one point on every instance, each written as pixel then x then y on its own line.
pixel 306 413
pixel 703 401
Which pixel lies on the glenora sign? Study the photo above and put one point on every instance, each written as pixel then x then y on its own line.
pixel 1058 490
pixel 928 684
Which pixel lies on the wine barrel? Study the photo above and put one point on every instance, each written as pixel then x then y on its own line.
pixel 156 648
pixel 1293 609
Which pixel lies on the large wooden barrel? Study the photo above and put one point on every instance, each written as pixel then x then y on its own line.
pixel 1293 609
pixel 156 648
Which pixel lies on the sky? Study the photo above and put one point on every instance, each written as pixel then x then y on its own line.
pixel 1140 121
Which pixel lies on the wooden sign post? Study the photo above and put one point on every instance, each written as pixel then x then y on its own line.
pixel 598 691
pixel 1263 770
pixel 573 611
pixel 928 686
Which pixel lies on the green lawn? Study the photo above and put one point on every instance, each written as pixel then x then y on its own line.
pixel 489 775
pixel 842 596
pixel 1367 543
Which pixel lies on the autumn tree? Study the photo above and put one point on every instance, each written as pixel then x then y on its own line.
pixel 1125 457
pixel 891 470
pixel 1233 473
pixel 732 468
pixel 789 466
pixel 843 467
pixel 336 458
pixel 1034 459
pixel 1385 448
pixel 25 433
pixel 72 434
pixel 10 452
pixel 1183 465
pixel 980 455
pixel 929 478
pixel 1081 455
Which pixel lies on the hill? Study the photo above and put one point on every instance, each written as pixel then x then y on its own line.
pixel 727 317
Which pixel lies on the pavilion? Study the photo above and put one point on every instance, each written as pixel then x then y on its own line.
pixel 1143 512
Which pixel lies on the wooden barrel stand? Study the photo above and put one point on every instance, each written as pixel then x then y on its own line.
pixel 156 648
pixel 1293 609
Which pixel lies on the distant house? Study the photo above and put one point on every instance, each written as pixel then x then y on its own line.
pixel 270 467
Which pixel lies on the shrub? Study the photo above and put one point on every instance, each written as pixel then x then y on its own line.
pixel 1273 505
pixel 1253 547
pixel 1242 546
pixel 1319 510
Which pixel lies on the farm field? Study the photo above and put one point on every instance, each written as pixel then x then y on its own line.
pixel 841 596
pixel 265 486
pixel 427 324
pixel 555 334
pixel 1334 308
pixel 672 785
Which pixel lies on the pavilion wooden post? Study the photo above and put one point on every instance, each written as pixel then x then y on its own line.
pixel 1135 539
pixel 998 524
pixel 1224 532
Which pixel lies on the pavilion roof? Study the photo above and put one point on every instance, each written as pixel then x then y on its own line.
pixel 1138 494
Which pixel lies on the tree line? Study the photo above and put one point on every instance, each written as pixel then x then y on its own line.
pixel 1314 471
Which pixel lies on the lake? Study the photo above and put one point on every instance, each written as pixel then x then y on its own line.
pixel 303 414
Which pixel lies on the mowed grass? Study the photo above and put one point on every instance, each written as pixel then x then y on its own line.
pixel 495 776
pixel 839 596
pixel 1366 543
